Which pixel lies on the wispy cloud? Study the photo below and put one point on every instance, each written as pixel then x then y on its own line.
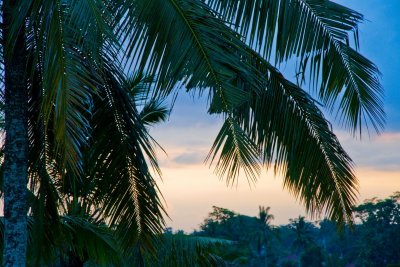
pixel 190 158
pixel 380 152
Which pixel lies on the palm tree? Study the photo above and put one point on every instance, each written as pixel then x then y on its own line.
pixel 51 75
pixel 303 236
pixel 61 52
pixel 73 219
pixel 265 218
pixel 16 154
pixel 302 233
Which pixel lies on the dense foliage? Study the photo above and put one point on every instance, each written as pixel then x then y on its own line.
pixel 372 241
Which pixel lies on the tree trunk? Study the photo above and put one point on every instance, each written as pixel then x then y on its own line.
pixel 16 146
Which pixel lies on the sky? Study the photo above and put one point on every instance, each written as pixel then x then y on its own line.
pixel 190 188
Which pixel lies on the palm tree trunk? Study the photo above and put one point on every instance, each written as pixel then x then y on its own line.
pixel 16 146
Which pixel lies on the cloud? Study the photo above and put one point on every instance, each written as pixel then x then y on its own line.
pixel 380 152
pixel 190 158
pixel 193 134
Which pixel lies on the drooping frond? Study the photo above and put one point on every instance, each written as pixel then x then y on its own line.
pixel 141 88
pixel 84 126
pixel 186 44
pixel 280 120
pixel 89 239
pixel 236 151
pixel 117 161
pixel 292 133
pixel 153 112
pixel 317 33
pixel 65 41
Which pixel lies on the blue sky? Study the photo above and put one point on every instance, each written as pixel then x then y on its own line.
pixel 189 186
pixel 380 42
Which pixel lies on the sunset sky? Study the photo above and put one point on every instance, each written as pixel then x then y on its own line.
pixel 191 189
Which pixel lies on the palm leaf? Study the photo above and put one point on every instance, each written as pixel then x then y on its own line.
pixel 293 133
pixel 119 152
pixel 65 40
pixel 152 109
pixel 317 33
pixel 237 151
pixel 182 250
pixel 199 51
pixel 184 44
pixel 90 240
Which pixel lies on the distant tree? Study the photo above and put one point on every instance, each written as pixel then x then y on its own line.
pixel 265 218
pixel 249 233
pixel 221 215
pixel 302 235
pixel 312 257
pixel 288 263
pixel 371 242
pixel 212 224
pixel 379 231
pixel 302 230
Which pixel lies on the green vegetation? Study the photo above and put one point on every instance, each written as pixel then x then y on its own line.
pixel 372 241
pixel 76 137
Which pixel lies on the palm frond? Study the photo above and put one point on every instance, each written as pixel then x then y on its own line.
pixel 184 44
pixel 66 40
pixel 154 112
pixel 291 131
pixel 90 240
pixel 151 107
pixel 118 157
pixel 237 151
pixel 74 93
pixel 317 33
pixel 182 250
pixel 187 44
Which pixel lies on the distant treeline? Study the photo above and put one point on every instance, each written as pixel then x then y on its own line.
pixel 372 240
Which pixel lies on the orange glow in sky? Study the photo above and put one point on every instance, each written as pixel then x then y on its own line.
pixel 190 187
